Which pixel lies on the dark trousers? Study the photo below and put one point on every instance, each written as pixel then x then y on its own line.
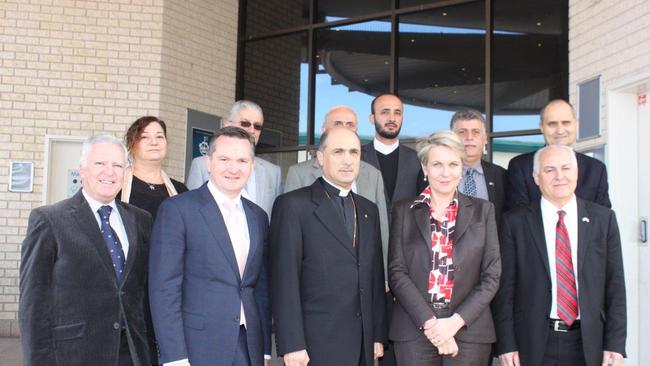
pixel 564 349
pixel 389 349
pixel 242 358
pixel 124 358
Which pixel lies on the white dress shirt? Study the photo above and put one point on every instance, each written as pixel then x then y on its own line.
pixel 550 217
pixel 383 148
pixel 115 220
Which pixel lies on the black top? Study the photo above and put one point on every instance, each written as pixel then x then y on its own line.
pixel 149 196
pixel 388 166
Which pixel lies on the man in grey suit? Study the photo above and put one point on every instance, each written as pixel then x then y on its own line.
pixel 368 184
pixel 83 271
pixel 264 182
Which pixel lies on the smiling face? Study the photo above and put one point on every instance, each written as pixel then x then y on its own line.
pixel 472 135
pixel 340 157
pixel 559 124
pixel 557 176
pixel 151 144
pixel 103 171
pixel 387 117
pixel 443 170
pixel 230 164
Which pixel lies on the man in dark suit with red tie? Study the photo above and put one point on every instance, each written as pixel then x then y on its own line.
pixel 561 299
pixel 559 125
pixel 327 278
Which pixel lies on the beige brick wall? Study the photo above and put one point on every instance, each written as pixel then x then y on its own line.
pixel 608 38
pixel 74 67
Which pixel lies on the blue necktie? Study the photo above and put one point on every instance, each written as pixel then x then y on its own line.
pixel 112 242
pixel 470 185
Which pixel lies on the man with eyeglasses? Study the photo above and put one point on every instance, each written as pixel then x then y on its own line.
pixel 264 182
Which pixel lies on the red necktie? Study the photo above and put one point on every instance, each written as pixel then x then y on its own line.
pixel 567 295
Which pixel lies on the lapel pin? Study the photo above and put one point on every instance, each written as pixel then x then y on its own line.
pixel 365 215
pixel 490 183
pixel 585 219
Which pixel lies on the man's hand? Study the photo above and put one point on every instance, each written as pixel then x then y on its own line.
pixel 442 330
pixel 386 287
pixel 379 350
pixel 449 348
pixel 298 358
pixel 509 359
pixel 612 358
pixel 267 362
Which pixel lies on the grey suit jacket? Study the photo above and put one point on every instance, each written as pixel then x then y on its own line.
pixel 267 180
pixel 370 185
pixel 477 268
pixel 71 304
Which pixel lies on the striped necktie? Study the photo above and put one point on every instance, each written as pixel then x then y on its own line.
pixel 567 294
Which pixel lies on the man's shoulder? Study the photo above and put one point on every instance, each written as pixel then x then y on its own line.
pixel 135 210
pixel 586 161
pixel 522 160
pixel 491 166
pixel 265 164
pixel 368 167
pixel 518 213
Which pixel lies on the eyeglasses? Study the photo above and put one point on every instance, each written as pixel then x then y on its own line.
pixel 246 124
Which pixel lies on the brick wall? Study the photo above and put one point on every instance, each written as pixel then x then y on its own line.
pixel 607 38
pixel 74 67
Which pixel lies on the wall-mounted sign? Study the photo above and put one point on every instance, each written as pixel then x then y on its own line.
pixel 21 176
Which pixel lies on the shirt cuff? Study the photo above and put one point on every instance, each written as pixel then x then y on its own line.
pixel 179 362
pixel 267 357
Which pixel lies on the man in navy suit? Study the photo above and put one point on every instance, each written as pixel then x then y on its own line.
pixel 208 280
pixel 559 125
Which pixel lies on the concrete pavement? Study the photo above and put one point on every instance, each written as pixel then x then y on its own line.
pixel 10 351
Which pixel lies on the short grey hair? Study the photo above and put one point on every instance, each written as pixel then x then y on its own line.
pixel 467 114
pixel 325 136
pixel 241 105
pixel 100 139
pixel 341 106
pixel 441 138
pixel 539 152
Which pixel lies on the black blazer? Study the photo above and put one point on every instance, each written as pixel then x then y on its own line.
pixel 324 293
pixel 522 305
pixel 410 179
pixel 476 263
pixel 70 302
pixel 496 180
pixel 592 181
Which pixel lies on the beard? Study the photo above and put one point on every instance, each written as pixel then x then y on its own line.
pixel 386 133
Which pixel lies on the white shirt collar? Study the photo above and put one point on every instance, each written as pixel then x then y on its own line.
pixel 220 197
pixel 383 148
pixel 570 208
pixel 342 191
pixel 96 205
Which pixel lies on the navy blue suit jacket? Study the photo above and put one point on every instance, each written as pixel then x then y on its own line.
pixel 194 283
pixel 522 190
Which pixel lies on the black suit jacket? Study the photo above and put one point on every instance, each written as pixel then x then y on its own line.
pixel 410 179
pixel 70 301
pixel 523 304
pixel 324 293
pixel 476 261
pixel 592 181
pixel 496 180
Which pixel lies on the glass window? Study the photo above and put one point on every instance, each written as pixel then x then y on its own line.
pixel 353 67
pixel 441 66
pixel 333 10
pixel 263 16
pixel 529 60
pixel 274 78
pixel 506 148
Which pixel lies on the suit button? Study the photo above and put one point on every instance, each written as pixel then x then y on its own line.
pixel 358 315
pixel 358 264
pixel 116 326
pixel 121 293
pixel 236 319
pixel 361 290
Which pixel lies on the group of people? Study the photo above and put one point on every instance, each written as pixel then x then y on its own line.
pixel 373 253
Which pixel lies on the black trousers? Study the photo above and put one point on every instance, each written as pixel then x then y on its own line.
pixel 389 349
pixel 124 358
pixel 564 349
pixel 242 358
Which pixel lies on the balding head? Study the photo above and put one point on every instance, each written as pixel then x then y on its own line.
pixel 340 116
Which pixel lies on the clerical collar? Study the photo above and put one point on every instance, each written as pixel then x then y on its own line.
pixel 383 148
pixel 342 192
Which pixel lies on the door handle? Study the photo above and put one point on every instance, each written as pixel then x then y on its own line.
pixel 643 230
